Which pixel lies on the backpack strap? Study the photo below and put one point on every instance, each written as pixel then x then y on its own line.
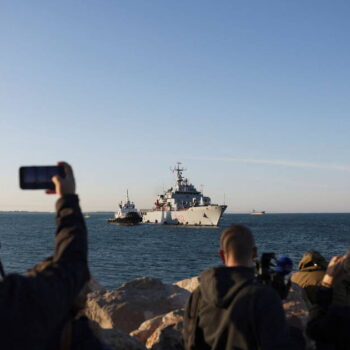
pixel 251 312
pixel 192 320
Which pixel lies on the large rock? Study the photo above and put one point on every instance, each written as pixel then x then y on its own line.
pixel 94 286
pixel 295 305
pixel 189 284
pixel 297 311
pixel 133 303
pixel 162 332
pixel 169 338
pixel 115 338
pixel 169 334
pixel 147 328
pixel 150 331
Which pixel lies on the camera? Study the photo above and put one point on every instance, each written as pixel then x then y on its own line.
pixel 273 271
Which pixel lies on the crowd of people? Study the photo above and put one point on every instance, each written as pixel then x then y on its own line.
pixel 230 310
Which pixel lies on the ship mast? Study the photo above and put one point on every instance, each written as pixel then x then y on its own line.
pixel 179 172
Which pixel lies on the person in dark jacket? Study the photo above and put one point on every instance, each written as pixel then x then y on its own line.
pixel 33 307
pixel 230 310
pixel 329 320
pixel 312 268
pixel 74 333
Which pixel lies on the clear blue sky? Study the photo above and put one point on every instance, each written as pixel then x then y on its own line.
pixel 252 96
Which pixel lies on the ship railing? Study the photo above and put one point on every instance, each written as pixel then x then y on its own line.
pixel 144 211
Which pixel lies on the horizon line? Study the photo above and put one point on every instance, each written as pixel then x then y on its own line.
pixel 228 213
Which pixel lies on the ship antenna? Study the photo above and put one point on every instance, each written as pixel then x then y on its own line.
pixel 179 171
pixel 127 195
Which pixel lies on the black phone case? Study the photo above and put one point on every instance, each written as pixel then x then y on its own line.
pixel 35 184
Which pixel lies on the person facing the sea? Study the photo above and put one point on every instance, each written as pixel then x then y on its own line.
pixel 329 321
pixel 312 268
pixel 230 310
pixel 33 307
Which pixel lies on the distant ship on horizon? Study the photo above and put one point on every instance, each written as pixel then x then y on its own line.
pixel 254 212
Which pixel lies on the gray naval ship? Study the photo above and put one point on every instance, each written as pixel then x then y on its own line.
pixel 183 205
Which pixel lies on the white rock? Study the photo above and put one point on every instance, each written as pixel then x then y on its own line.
pixel 133 303
pixel 169 334
pixel 295 305
pixel 115 338
pixel 189 284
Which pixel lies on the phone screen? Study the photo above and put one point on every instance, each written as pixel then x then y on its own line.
pixel 38 177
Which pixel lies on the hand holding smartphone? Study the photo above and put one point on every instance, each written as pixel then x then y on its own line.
pixel 39 177
pixel 54 179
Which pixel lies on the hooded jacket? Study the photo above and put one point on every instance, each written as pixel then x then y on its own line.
pixel 312 268
pixel 229 310
pixel 329 320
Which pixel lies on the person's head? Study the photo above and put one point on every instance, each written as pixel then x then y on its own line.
pixel 312 258
pixel 237 246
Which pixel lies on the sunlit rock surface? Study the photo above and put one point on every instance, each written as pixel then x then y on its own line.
pixel 116 338
pixel 134 302
pixel 189 284
pixel 152 313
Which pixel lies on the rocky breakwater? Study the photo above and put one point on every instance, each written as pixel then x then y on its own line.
pixel 146 313
pixel 126 309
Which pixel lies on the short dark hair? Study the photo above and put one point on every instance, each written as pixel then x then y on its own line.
pixel 238 241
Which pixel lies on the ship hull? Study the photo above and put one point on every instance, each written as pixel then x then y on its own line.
pixel 209 215
pixel 123 222
pixel 130 219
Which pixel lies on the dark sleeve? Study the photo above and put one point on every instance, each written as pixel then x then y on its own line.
pixel 189 321
pixel 83 337
pixel 33 306
pixel 328 323
pixel 272 330
pixel 192 335
pixel 319 322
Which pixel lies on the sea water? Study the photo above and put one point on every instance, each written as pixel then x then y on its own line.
pixel 120 253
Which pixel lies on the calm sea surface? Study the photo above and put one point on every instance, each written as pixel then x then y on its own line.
pixel 120 253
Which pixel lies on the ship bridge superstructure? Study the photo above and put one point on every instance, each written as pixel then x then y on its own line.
pixel 183 204
pixel 182 196
pixel 125 207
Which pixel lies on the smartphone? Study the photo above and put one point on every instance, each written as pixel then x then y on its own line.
pixel 39 177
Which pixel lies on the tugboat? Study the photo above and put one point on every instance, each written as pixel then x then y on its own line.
pixel 183 205
pixel 126 213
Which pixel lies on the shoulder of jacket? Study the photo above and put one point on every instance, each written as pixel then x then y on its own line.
pixel 263 292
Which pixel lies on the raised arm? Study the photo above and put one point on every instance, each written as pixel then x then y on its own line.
pixel 32 307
